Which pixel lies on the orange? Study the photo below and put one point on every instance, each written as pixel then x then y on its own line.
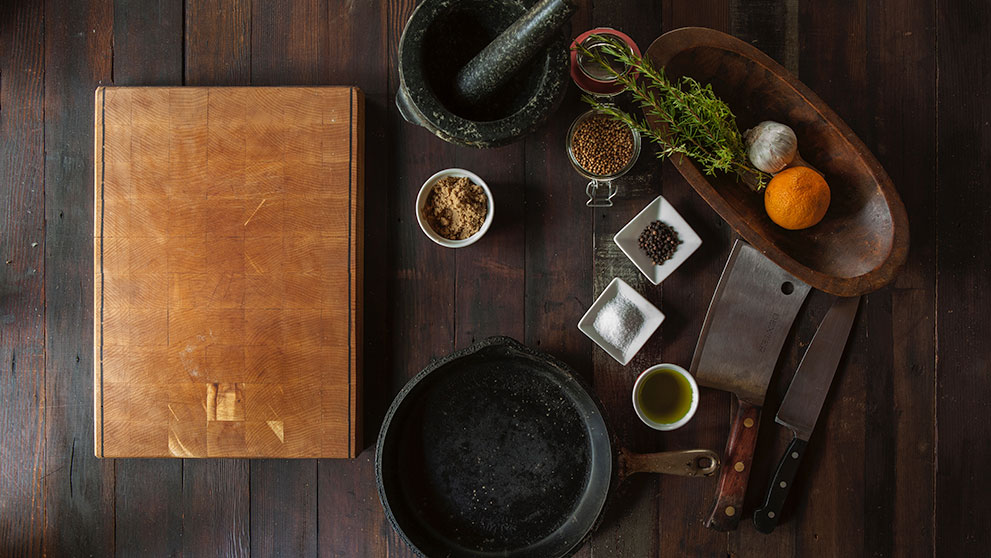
pixel 796 198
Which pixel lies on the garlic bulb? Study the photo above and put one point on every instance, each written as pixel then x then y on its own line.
pixel 771 146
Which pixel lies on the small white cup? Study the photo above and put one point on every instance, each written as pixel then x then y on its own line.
pixel 650 372
pixel 421 201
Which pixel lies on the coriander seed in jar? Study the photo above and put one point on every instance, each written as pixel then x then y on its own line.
pixel 602 149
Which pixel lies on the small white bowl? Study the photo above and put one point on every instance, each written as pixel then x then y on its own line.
pixel 652 318
pixel 421 200
pixel 662 425
pixel 628 240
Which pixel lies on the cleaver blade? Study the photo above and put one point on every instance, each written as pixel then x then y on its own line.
pixel 751 313
pixel 748 320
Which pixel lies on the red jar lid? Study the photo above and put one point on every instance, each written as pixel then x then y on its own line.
pixel 587 83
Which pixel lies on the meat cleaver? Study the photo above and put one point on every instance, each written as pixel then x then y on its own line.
pixel 748 320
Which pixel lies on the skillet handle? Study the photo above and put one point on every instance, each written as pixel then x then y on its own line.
pixel 686 463
pixel 733 478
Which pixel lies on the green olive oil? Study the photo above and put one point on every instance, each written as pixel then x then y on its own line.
pixel 665 396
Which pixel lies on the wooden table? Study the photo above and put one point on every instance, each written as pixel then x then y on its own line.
pixel 897 465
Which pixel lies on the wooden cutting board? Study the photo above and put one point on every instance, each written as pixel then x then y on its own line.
pixel 227 238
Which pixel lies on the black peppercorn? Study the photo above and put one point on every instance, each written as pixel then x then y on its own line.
pixel 659 241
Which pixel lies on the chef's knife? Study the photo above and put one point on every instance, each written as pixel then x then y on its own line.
pixel 748 320
pixel 801 405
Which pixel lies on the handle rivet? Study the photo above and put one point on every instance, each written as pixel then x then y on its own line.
pixel 748 423
pixel 739 466
pixel 770 515
pixel 730 511
pixel 794 455
pixel 783 484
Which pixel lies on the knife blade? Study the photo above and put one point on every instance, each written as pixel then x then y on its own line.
pixel 803 402
pixel 749 317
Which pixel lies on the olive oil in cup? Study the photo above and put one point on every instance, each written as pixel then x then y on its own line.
pixel 665 396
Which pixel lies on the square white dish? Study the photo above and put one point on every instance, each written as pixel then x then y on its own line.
pixel 628 239
pixel 609 300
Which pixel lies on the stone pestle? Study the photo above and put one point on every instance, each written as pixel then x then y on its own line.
pixel 520 42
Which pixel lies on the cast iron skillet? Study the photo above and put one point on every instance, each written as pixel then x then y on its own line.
pixel 499 450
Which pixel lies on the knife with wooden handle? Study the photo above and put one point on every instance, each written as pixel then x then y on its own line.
pixel 802 404
pixel 749 317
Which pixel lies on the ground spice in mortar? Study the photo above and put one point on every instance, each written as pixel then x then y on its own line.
pixel 602 145
pixel 456 208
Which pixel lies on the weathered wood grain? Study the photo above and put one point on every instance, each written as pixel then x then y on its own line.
pixel 558 236
pixel 217 42
pixel 283 507
pixel 22 276
pixel 350 519
pixel 963 388
pixel 79 490
pixel 215 508
pixel 770 25
pixel 420 274
pixel 900 417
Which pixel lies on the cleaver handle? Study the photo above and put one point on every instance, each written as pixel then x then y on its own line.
pixel 735 470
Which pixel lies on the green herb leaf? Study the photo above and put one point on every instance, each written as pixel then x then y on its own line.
pixel 690 119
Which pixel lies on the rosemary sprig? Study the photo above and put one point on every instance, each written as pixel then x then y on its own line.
pixel 694 122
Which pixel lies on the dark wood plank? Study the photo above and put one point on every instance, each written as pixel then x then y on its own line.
pixel 963 389
pixel 421 274
pixel 770 25
pixel 79 489
pixel 283 507
pixel 558 235
pixel 350 519
pixel 685 299
pixel 490 288
pixel 632 524
pixel 22 277
pixel 215 508
pixel 290 42
pixel 901 435
pixel 289 46
pixel 215 492
pixel 217 48
pixel 148 507
pixel 148 51
pixel 147 47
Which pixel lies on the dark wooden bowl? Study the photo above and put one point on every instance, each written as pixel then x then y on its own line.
pixel 863 240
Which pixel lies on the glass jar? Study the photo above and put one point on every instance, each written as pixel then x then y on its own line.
pixel 600 188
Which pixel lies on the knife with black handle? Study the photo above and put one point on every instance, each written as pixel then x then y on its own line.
pixel 801 406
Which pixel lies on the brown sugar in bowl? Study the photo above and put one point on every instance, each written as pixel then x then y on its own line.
pixel 421 202
pixel 862 241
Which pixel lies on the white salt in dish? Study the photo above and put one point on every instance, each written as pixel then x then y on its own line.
pixel 620 321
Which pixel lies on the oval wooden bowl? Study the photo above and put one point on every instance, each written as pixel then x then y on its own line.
pixel 863 240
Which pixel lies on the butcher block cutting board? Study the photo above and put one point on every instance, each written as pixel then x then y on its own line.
pixel 228 237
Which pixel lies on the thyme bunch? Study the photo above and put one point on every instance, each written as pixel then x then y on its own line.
pixel 694 122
